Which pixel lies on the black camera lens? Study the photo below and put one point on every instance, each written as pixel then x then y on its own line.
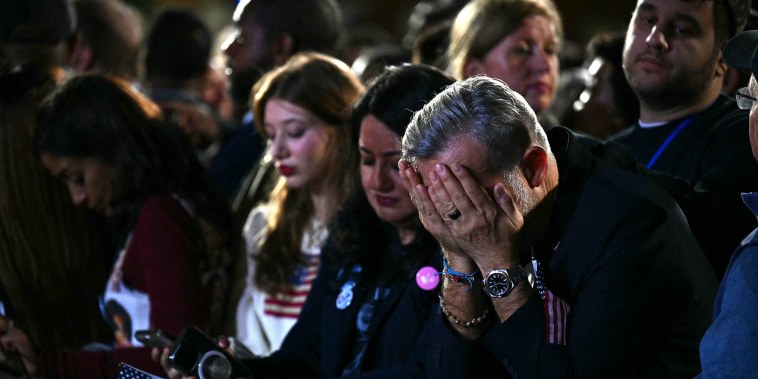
pixel 214 365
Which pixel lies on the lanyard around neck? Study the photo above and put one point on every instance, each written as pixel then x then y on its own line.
pixel 668 140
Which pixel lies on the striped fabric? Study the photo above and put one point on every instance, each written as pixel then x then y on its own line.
pixel 556 314
pixel 556 310
pixel 288 302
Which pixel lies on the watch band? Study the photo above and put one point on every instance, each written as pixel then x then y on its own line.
pixel 501 282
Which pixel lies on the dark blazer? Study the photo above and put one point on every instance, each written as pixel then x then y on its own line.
pixel 322 341
pixel 620 253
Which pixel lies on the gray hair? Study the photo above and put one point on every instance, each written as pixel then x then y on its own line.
pixel 482 108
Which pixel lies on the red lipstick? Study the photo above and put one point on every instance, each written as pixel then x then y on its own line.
pixel 286 170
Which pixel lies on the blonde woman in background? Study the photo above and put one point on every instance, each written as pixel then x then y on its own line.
pixel 516 41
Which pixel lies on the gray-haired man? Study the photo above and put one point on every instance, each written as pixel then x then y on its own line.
pixel 620 285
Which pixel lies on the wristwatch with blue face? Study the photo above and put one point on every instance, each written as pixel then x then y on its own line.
pixel 500 283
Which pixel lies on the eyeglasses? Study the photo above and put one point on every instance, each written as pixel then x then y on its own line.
pixel 744 101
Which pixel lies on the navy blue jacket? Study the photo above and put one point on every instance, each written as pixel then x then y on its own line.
pixel 322 341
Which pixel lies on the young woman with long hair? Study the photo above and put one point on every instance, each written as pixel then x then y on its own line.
pixel 52 265
pixel 302 109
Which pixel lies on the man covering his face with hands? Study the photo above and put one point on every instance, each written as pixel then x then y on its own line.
pixel 618 284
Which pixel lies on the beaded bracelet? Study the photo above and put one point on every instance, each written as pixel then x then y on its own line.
pixel 456 276
pixel 473 323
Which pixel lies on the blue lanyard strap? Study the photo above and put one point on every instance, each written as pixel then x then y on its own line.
pixel 668 140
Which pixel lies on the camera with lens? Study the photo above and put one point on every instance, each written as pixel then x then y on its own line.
pixel 194 354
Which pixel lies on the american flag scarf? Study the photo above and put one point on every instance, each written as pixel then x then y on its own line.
pixel 556 309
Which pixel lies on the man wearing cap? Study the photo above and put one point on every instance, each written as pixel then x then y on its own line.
pixel 687 128
pixel 730 346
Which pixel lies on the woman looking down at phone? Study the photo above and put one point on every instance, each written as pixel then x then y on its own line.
pixel 302 108
pixel 365 311
pixel 174 229
pixel 49 286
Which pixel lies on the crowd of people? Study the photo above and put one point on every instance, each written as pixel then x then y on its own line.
pixel 454 206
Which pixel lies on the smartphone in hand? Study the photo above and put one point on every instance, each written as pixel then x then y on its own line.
pixel 154 338
pixel 195 354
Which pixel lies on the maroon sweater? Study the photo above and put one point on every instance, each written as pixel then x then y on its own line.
pixel 163 262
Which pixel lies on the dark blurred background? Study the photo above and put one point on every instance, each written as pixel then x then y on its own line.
pixel 582 18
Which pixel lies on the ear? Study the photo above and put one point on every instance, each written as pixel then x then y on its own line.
pixel 733 80
pixel 720 66
pixel 73 46
pixel 82 59
pixel 283 49
pixel 534 165
pixel 472 67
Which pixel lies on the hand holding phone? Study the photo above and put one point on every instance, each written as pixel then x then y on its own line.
pixel 195 354
pixel 154 338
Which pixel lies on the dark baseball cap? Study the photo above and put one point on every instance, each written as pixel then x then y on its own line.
pixel 36 21
pixel 739 52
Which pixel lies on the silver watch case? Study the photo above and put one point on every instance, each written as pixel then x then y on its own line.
pixel 500 283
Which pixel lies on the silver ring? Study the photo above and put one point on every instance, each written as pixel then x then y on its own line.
pixel 454 215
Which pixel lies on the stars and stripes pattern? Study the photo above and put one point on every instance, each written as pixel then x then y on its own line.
pixel 129 372
pixel 556 309
pixel 288 302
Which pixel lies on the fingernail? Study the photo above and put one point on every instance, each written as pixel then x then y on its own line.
pixel 500 191
pixel 456 168
pixel 442 171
